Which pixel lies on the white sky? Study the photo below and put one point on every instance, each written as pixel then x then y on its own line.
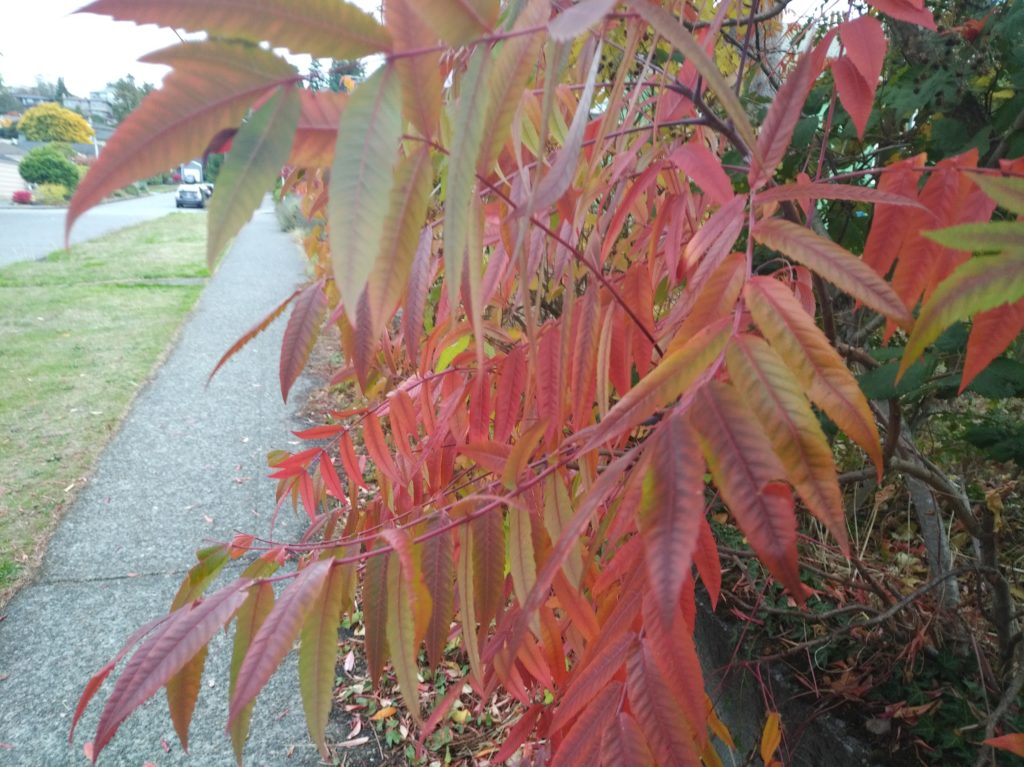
pixel 46 37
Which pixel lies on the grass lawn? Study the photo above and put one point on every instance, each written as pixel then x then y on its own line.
pixel 80 332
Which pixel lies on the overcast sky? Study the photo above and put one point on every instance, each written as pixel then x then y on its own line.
pixel 46 38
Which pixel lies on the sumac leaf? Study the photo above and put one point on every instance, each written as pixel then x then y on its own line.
pixel 258 151
pixel 301 334
pixel 319 27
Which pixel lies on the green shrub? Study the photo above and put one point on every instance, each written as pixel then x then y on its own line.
pixel 46 166
pixel 52 194
pixel 60 148
pixel 289 214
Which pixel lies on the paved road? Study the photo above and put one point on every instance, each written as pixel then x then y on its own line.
pixel 187 466
pixel 31 233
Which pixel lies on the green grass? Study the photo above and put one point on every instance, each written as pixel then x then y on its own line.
pixel 80 332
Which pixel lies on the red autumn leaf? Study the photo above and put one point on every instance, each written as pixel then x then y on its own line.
pixel 904 10
pixel 301 334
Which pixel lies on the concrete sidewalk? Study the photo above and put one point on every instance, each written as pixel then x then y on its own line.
pixel 187 467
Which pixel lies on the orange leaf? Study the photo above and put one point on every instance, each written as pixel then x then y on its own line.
pixel 835 264
pixel 828 191
pixel 521 452
pixel 675 373
pixel 777 399
pixel 624 744
pixel 1014 743
pixel 698 163
pixel 317 130
pixel 384 713
pixel 251 333
pixel 213 84
pixel 659 715
pixel 336 29
pixel 97 679
pixel 816 365
pixel 786 109
pixel 458 21
pixel 856 74
pixel 580 747
pixel 991 334
pixel 594 671
pixel 746 471
pixel 301 334
pixel 671 510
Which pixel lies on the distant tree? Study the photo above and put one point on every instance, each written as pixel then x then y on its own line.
pixel 48 165
pixel 316 80
pixel 61 92
pixel 342 68
pixel 52 122
pixel 127 95
pixel 44 88
pixel 8 102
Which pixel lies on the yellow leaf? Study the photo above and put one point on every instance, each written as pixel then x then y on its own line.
pixel 384 713
pixel 771 737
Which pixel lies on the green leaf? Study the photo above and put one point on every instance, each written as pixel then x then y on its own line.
pixel 212 86
pixel 250 617
pixel 275 637
pixel 467 140
pixel 409 198
pixel 211 560
pixel 259 150
pixel 318 655
pixel 1007 192
pixel 513 63
pixel 362 180
pixel 833 262
pixel 183 692
pixel 980 284
pixel 881 383
pixel 406 594
pixel 318 27
pixel 992 236
pixel 1002 379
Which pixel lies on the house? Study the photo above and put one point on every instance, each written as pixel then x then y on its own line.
pixel 191 172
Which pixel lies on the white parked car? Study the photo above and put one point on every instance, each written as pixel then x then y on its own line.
pixel 190 196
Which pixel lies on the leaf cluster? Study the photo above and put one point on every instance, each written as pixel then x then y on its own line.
pixel 586 305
